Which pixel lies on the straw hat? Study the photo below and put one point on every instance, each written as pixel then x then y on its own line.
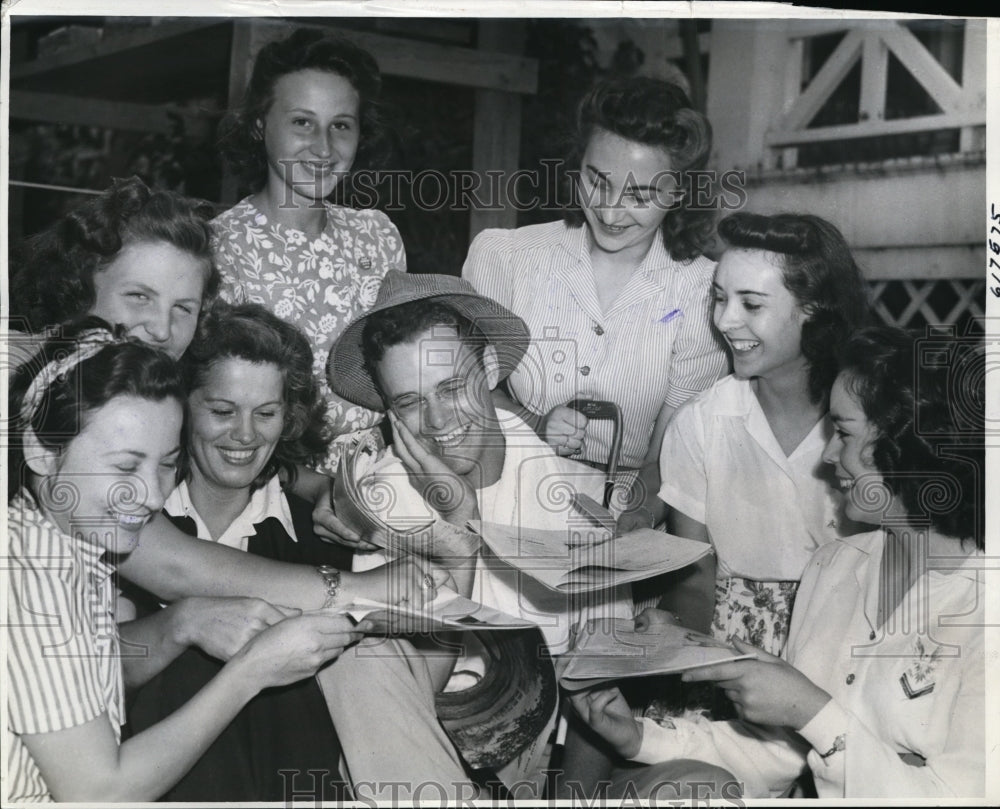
pixel 345 368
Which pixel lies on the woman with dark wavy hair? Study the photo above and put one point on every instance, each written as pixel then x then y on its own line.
pixel 94 446
pixel 253 410
pixel 740 464
pixel 880 691
pixel 616 295
pixel 310 115
pixel 131 256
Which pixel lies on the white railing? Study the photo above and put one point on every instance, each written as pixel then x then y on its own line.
pixel 963 105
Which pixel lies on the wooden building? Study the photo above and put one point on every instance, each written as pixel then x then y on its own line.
pixel 877 125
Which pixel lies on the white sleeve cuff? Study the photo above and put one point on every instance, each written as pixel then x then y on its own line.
pixel 822 731
pixel 658 743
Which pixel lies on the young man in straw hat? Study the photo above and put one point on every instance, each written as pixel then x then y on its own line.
pixel 428 353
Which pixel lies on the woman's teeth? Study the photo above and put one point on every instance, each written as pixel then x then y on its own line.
pixel 237 456
pixel 132 522
pixel 845 483
pixel 743 345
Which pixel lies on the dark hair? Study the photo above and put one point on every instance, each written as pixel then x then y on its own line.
pixel 55 280
pixel 401 324
pixel 240 139
pixel 127 368
pixel 930 421
pixel 654 113
pixel 252 333
pixel 821 274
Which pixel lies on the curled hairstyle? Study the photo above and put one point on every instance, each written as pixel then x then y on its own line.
pixel 55 280
pixel 249 332
pixel 241 138
pixel 126 368
pixel 401 324
pixel 654 113
pixel 929 419
pixel 820 272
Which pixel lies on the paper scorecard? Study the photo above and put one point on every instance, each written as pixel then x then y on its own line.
pixel 449 611
pixel 612 650
pixel 587 558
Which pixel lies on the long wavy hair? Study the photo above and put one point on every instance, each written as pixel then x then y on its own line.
pixel 654 113
pixel 929 418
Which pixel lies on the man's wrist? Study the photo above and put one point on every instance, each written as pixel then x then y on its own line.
pixel 631 749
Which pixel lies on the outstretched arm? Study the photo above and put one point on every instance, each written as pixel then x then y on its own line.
pixel 218 626
pixel 86 763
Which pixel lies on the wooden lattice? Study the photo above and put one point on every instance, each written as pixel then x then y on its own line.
pixel 915 303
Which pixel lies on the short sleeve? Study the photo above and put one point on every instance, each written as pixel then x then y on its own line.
pixel 487 267
pixel 682 461
pixel 230 247
pixel 390 243
pixel 53 673
pixel 698 357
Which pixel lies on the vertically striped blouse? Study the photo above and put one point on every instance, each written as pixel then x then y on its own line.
pixel 63 656
pixel 655 345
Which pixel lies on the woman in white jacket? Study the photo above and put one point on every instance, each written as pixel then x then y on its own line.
pixel 881 688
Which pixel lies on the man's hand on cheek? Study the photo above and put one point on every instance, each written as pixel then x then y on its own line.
pixel 448 493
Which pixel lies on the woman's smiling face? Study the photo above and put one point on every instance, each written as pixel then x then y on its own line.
pixel 113 477
pixel 759 318
pixel 849 451
pixel 155 290
pixel 625 189
pixel 311 135
pixel 236 421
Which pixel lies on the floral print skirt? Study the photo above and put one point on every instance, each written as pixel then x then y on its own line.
pixel 758 612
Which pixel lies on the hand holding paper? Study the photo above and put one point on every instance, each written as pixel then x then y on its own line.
pixel 614 650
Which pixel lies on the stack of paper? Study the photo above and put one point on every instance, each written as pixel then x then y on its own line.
pixel 613 650
pixel 586 559
pixel 448 611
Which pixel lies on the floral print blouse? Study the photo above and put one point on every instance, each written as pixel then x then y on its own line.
pixel 319 285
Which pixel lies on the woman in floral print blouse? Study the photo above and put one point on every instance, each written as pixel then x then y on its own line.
pixel 310 115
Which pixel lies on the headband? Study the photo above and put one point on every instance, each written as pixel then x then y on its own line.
pixel 88 343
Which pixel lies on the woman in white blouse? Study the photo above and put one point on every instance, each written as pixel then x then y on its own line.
pixel 881 689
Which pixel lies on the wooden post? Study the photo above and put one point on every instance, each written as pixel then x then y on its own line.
pixel 496 138
pixel 745 89
pixel 973 83
pixel 241 55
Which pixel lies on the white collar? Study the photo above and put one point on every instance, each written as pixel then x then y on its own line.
pixel 267 501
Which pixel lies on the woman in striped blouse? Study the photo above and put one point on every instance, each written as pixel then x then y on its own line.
pixel 617 295
pixel 93 455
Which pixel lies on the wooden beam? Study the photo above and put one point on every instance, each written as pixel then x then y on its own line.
pixel 112 43
pixel 874 78
pixel 427 61
pixel 973 79
pixel 923 123
pixel 924 262
pixel 673 48
pixel 247 40
pixel 924 67
pixel 825 82
pixel 794 64
pixel 62 109
pixel 496 132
